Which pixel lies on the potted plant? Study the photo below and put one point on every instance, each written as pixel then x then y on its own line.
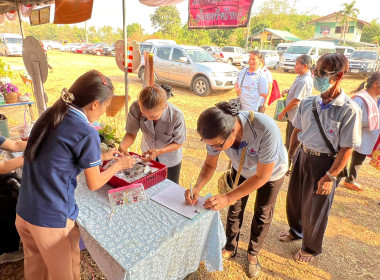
pixel 10 92
pixel 107 136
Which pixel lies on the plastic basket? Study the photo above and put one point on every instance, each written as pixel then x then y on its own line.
pixel 147 181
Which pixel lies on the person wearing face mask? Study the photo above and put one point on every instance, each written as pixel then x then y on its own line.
pixel 315 166
pixel 163 128
pixel 367 96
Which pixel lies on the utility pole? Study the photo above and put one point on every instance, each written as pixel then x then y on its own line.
pixel 246 39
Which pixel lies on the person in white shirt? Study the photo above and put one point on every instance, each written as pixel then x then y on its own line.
pixel 301 88
pixel 251 85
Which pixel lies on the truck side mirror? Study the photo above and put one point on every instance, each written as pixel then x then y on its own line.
pixel 183 59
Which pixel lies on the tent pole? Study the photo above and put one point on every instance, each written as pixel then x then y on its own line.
pixel 19 19
pixel 125 56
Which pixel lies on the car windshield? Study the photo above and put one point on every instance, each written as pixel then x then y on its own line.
pixel 363 55
pixel 146 48
pixel 13 40
pixel 281 48
pixel 200 56
pixel 298 50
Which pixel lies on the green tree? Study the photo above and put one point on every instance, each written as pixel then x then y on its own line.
pixel 135 32
pixel 348 12
pixel 371 33
pixel 196 37
pixel 167 20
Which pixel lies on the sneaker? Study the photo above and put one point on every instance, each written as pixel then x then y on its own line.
pixel 12 256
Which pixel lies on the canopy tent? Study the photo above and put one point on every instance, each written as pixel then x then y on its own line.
pixel 11 5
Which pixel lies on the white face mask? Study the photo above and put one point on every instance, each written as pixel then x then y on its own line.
pixel 322 84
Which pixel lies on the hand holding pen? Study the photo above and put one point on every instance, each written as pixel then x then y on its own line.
pixel 191 195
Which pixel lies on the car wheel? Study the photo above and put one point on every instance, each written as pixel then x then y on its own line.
pixel 48 47
pixel 286 70
pixel 229 61
pixel 98 53
pixel 201 86
pixel 276 66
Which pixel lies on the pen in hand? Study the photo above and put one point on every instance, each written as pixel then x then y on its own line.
pixel 191 194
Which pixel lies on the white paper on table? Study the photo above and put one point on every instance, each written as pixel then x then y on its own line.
pixel 173 197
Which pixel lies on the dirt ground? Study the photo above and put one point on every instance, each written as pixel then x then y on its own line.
pixel 351 248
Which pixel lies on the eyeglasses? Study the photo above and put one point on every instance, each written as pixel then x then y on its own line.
pixel 218 146
pixel 323 73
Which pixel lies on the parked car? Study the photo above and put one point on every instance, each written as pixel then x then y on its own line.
pixel 160 42
pixel 313 48
pixel 109 50
pixel 144 47
pixel 232 55
pixel 272 59
pixel 82 48
pixel 364 62
pixel 69 47
pixel 282 47
pixel 193 67
pixel 347 51
pixel 52 45
pixel 10 44
pixel 96 49
pixel 214 51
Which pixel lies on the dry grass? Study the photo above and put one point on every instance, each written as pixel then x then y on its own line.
pixel 352 241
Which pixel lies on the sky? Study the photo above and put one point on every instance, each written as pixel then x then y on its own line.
pixel 110 12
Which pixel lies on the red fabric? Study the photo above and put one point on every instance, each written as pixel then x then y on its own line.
pixel 276 94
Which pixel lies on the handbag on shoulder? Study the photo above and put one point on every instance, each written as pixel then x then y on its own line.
pixel 225 183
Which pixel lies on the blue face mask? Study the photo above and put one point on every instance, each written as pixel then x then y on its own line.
pixel 322 84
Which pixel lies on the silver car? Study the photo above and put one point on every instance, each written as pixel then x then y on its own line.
pixel 271 58
pixel 193 67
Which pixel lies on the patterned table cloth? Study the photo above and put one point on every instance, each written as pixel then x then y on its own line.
pixel 145 240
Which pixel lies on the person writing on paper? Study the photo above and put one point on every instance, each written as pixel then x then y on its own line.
pixel 9 238
pixel 61 145
pixel 367 96
pixel 163 128
pixel 251 85
pixel 301 88
pixel 256 141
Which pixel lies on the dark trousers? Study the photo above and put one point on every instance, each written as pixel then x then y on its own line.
pixel 174 172
pixel 9 238
pixel 357 160
pixel 289 131
pixel 307 211
pixel 262 217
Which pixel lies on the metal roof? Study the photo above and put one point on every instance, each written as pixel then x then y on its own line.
pixel 284 35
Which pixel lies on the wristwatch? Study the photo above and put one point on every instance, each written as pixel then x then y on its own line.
pixel 332 178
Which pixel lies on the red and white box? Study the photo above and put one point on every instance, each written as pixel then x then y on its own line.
pixel 147 181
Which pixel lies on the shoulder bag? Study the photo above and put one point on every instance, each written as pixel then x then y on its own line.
pixel 223 182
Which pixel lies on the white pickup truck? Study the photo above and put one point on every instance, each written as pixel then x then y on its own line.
pixel 232 55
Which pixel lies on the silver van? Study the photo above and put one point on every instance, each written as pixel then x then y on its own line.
pixel 313 48
pixel 10 44
pixel 347 51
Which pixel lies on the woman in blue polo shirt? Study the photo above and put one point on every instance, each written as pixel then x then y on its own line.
pixel 256 141
pixel 61 145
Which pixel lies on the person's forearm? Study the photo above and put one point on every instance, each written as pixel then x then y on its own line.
pixel 293 143
pixel 19 146
pixel 268 95
pixel 340 161
pixel 293 103
pixel 127 141
pixel 204 176
pixel 170 148
pixel 10 165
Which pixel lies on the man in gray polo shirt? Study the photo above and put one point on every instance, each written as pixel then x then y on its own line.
pixel 301 88
pixel 315 170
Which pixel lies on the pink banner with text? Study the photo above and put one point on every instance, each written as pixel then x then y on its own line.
pixel 208 14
